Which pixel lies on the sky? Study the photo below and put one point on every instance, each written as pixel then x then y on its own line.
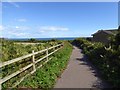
pixel 119 13
pixel 57 19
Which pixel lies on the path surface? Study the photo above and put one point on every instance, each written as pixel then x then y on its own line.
pixel 79 73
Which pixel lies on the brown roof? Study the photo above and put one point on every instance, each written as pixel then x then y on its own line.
pixel 112 31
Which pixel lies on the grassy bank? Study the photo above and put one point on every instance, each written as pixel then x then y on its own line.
pixel 46 76
pixel 10 50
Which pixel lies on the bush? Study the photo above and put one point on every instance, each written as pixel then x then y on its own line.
pixel 107 60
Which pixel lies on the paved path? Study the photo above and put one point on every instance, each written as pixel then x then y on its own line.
pixel 79 73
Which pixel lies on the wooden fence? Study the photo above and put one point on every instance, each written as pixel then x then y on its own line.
pixel 32 64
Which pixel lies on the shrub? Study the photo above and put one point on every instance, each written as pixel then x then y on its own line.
pixel 106 59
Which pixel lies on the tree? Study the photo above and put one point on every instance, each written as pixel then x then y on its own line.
pixel 117 39
pixel 32 40
pixel 119 28
pixel 53 40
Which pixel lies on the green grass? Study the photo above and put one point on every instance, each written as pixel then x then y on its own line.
pixel 45 77
pixel 11 50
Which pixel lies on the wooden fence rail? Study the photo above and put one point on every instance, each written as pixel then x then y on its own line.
pixel 34 62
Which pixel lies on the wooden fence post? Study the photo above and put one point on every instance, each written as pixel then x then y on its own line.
pixel 54 49
pixel 33 61
pixel 47 53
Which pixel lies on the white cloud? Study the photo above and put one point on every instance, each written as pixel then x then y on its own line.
pixel 52 28
pixel 18 34
pixel 14 4
pixel 16 31
pixel 22 20
pixel 42 31
pixel 16 27
pixel 1 28
pixel 20 28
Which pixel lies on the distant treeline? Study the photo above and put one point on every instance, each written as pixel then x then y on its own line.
pixel 32 40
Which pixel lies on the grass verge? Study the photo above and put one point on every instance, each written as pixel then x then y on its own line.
pixel 45 77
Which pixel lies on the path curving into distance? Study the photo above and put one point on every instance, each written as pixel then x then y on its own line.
pixel 80 73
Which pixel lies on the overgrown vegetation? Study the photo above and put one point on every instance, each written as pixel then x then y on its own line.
pixel 11 50
pixel 46 76
pixel 105 58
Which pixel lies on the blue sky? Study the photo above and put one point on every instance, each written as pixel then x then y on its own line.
pixel 57 19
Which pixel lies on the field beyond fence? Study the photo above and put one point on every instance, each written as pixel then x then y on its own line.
pixel 31 62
